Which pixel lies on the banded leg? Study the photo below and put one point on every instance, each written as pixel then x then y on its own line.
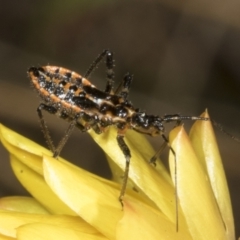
pixel 73 122
pixel 56 150
pixel 43 124
pixel 127 154
pixel 124 86
pixel 64 139
pixel 109 64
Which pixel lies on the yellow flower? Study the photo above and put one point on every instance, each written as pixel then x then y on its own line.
pixel 71 203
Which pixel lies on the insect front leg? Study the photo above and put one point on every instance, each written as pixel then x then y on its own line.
pixel 127 154
pixel 153 161
pixel 175 176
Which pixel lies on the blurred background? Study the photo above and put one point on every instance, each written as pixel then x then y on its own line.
pixel 184 55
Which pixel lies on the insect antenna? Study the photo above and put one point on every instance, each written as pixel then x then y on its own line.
pixel 220 127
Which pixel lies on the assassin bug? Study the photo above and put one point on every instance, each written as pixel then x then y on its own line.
pixel 73 98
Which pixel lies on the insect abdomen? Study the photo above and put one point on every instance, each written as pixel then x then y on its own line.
pixel 71 93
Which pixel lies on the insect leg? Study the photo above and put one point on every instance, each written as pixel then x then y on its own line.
pixel 178 119
pixel 124 86
pixel 110 72
pixel 43 124
pixel 73 122
pixel 79 125
pixel 56 150
pixel 127 154
pixel 92 122
pixel 64 139
pixel 158 153
pixel 175 176
pixel 94 65
pixel 96 128
pixel 109 64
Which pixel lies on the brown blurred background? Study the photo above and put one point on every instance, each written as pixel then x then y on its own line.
pixel 184 55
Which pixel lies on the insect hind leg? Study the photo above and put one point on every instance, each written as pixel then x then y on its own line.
pixel 89 123
pixel 56 150
pixel 43 124
pixel 63 141
pixel 109 64
pixel 124 86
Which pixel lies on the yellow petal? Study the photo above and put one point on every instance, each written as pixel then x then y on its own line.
pixel 97 203
pixel 143 222
pixel 22 204
pixel 161 192
pixel 37 186
pixel 10 221
pixel 21 142
pixel 117 174
pixel 194 190
pixel 24 149
pixel 3 237
pixel 205 146
pixel 93 200
pixel 42 231
pixel 26 161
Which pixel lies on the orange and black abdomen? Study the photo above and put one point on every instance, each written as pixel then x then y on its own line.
pixel 70 92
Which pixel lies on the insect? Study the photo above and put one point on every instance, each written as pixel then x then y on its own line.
pixel 75 99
